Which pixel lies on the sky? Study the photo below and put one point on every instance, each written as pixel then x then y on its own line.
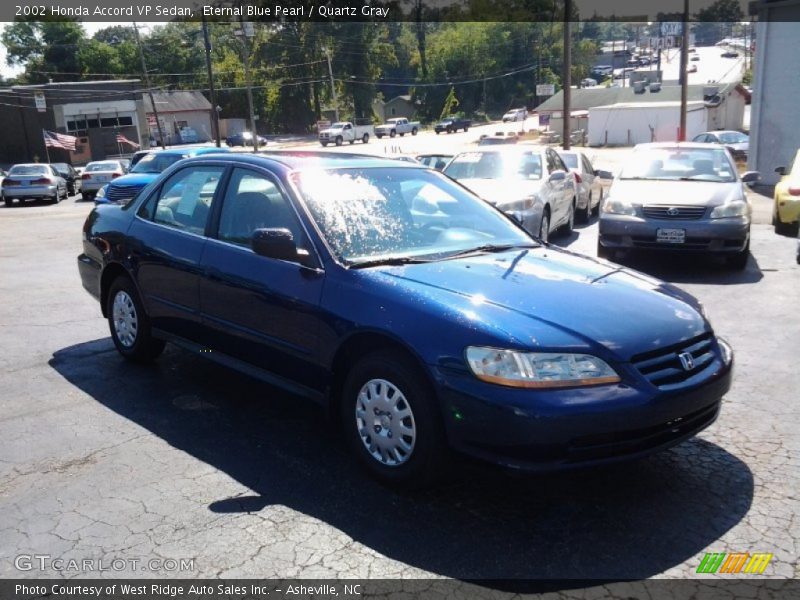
pixel 91 28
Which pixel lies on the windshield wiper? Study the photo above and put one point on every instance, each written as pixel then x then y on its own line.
pixel 490 248
pixel 388 261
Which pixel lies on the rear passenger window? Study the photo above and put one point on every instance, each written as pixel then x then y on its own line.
pixel 185 198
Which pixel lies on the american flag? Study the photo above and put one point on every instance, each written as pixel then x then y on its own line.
pixel 121 139
pixel 54 139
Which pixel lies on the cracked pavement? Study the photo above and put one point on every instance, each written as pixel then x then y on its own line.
pixel 100 459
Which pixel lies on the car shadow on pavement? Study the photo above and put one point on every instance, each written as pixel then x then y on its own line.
pixel 628 521
pixel 685 268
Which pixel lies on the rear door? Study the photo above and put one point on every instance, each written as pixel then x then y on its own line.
pixel 167 241
pixel 262 310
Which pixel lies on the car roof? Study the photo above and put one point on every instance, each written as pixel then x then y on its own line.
pixel 193 150
pixel 520 148
pixel 310 159
pixel 684 145
pixel 30 165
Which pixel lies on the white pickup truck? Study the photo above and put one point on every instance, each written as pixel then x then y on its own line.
pixel 345 131
pixel 400 125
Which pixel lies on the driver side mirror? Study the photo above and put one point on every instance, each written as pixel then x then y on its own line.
pixel 275 243
pixel 751 177
pixel 780 170
pixel 599 173
pixel 557 176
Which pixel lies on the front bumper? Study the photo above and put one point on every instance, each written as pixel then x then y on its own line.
pixel 560 429
pixel 30 191
pixel 707 235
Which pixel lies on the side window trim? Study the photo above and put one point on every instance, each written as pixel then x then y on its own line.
pixel 214 222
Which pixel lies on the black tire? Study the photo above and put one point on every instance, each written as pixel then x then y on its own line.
pixel 55 199
pixel 787 229
pixel 466 129
pixel 144 348
pixel 414 131
pixel 438 132
pixel 544 226
pixel 87 196
pixel 449 130
pixel 584 214
pixel 71 190
pixel 9 201
pixel 422 465
pixel 365 138
pixel 392 133
pixel 324 144
pixel 339 140
pixel 568 227
pixel 739 260
pixel 379 135
pixel 603 252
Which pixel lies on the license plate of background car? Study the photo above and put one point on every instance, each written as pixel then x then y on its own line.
pixel 671 236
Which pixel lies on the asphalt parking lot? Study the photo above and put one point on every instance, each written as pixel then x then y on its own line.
pixel 188 460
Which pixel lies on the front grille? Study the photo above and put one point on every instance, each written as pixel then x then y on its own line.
pixel 117 193
pixel 674 212
pixel 664 369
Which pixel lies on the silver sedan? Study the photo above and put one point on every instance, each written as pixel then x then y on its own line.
pixel 678 197
pixel 34 181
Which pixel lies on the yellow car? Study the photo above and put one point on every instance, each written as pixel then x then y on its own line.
pixel 786 214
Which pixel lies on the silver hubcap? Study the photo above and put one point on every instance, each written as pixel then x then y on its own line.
pixel 126 323
pixel 544 229
pixel 385 422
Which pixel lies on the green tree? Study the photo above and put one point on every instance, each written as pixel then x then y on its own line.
pixel 450 103
pixel 716 20
pixel 47 49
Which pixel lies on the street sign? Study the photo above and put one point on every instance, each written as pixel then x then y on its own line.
pixel 41 103
pixel 544 120
pixel 671 28
pixel 545 89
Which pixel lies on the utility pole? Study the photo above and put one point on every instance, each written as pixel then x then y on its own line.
pixel 247 32
pixel 684 67
pixel 212 95
pixel 149 87
pixel 567 74
pixel 333 84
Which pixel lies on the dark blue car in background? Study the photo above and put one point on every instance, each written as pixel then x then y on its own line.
pixel 422 316
pixel 146 170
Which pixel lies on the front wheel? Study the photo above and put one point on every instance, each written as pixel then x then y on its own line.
pixel 544 227
pixel 129 324
pixel 392 133
pixel 391 421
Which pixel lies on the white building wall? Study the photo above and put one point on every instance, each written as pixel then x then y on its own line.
pixel 774 119
pixel 622 126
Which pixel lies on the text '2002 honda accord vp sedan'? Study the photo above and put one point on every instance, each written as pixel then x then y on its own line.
pixel 422 316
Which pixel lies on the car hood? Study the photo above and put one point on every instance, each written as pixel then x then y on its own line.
pixel 496 193
pixel 135 179
pixel 676 193
pixel 589 301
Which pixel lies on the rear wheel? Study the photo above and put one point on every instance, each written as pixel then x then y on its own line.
pixel 365 138
pixel 391 420
pixel 787 229
pixel 129 324
pixel 414 131
pixel 544 226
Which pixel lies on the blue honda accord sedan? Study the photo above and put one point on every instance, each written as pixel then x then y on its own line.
pixel 425 319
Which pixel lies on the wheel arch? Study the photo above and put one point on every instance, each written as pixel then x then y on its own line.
pixel 110 273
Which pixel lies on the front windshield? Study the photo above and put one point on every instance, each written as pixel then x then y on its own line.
pixel 397 212
pixel 495 165
pixel 156 163
pixel 676 164
pixel 732 137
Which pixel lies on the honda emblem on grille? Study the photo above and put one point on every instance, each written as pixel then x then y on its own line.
pixel 673 212
pixel 687 361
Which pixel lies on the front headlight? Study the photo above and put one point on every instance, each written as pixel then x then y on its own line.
pixel 613 206
pixel 730 209
pixel 516 205
pixel 101 193
pixel 538 369
pixel 726 351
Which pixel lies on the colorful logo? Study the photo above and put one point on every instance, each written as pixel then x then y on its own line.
pixel 734 562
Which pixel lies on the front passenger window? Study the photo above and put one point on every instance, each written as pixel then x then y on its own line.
pixel 185 198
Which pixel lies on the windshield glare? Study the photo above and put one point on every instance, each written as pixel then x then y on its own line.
pixel 398 212
pixel 570 159
pixel 102 166
pixel 155 163
pixel 29 170
pixel 495 165
pixel 665 164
